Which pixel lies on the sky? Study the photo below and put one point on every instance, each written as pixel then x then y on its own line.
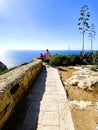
pixel 42 24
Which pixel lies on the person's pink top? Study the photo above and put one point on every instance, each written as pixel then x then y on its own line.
pixel 47 55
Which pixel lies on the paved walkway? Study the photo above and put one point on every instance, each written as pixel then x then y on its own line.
pixel 47 104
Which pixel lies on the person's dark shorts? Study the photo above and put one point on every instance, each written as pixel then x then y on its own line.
pixel 47 61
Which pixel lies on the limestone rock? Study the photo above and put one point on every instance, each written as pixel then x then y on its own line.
pixel 84 78
pixel 80 104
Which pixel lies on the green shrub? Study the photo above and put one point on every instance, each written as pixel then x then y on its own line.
pixel 94 68
pixel 59 60
pixel 64 60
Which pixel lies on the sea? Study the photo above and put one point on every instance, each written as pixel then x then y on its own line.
pixel 12 58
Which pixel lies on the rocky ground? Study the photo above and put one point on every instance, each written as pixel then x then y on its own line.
pixel 81 85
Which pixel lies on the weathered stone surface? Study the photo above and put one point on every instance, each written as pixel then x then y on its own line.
pixel 84 78
pixel 80 104
pixel 13 85
pixel 49 108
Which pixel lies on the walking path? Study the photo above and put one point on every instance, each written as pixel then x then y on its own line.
pixel 47 104
pixel 45 107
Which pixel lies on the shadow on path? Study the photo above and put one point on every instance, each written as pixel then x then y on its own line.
pixel 25 116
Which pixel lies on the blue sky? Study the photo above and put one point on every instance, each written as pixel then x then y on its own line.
pixel 42 24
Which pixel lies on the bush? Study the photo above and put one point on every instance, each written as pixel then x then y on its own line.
pixel 59 60
pixel 74 59
pixel 94 68
pixel 64 60
pixel 89 58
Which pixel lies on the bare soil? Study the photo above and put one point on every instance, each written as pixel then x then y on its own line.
pixel 87 118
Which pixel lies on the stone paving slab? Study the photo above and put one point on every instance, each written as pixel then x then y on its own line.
pixel 48 106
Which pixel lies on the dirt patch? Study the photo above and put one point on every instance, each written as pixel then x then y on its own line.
pixel 86 118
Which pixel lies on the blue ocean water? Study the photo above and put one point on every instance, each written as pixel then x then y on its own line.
pixel 12 58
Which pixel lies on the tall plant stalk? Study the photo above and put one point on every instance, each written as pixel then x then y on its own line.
pixel 83 23
pixel 91 35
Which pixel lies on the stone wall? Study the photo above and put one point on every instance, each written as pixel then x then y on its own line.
pixel 13 85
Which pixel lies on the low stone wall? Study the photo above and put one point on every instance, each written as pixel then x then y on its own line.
pixel 13 85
